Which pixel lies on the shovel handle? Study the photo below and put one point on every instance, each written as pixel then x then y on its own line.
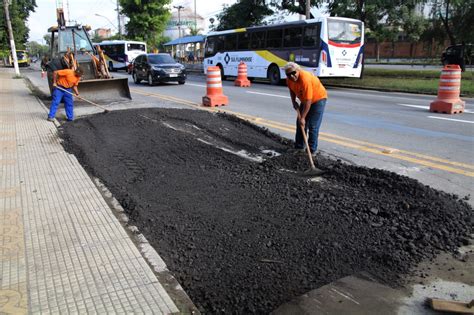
pixel 310 156
pixel 90 102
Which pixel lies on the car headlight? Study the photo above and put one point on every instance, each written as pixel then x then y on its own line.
pixel 157 68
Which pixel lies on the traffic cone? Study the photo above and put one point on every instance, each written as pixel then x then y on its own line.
pixel 242 80
pixel 448 100
pixel 214 96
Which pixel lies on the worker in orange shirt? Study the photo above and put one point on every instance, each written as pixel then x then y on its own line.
pixel 312 95
pixel 68 80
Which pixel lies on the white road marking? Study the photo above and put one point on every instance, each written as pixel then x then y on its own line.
pixel 415 106
pixel 267 94
pixel 467 111
pixel 458 120
pixel 199 85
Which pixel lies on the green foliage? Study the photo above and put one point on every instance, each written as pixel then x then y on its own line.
pixel 36 49
pixel 242 14
pixel 19 12
pixel 148 19
pixel 456 18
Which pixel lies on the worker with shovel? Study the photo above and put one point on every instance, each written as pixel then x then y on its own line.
pixel 313 96
pixel 64 82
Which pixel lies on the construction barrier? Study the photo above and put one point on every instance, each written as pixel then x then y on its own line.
pixel 448 100
pixel 242 80
pixel 214 96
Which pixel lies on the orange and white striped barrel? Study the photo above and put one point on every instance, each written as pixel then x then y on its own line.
pixel 242 76
pixel 448 100
pixel 215 96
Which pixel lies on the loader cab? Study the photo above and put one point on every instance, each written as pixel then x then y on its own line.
pixel 74 38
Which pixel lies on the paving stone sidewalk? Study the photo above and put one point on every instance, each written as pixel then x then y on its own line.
pixel 62 250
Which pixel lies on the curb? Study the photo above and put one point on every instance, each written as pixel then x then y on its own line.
pixel 151 256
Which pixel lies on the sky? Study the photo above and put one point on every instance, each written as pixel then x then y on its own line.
pixel 84 12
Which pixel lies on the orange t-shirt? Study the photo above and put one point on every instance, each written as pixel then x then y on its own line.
pixel 67 78
pixel 307 87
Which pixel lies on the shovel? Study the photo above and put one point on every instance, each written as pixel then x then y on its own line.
pixel 313 171
pixel 90 102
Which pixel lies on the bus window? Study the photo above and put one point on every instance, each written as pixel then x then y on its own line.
pixel 210 47
pixel 257 40
pixel 274 38
pixel 311 36
pixel 244 41
pixel 133 46
pixel 292 37
pixel 230 42
pixel 219 44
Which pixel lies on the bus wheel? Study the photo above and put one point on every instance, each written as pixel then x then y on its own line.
pixel 111 66
pixel 274 75
pixel 223 77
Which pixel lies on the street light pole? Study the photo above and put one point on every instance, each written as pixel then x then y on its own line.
pixel 118 19
pixel 308 9
pixel 12 39
pixel 111 23
pixel 179 7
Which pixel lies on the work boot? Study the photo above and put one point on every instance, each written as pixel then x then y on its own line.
pixel 50 119
pixel 297 151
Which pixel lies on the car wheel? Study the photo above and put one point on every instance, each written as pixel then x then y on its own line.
pixel 181 82
pixel 274 75
pixel 150 79
pixel 111 66
pixel 135 78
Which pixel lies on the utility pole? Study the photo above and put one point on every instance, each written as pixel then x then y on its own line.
pixel 195 19
pixel 179 7
pixel 12 39
pixel 118 19
pixel 308 9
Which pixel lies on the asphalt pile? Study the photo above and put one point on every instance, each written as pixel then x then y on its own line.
pixel 222 202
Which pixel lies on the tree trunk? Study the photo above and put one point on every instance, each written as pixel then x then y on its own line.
pixel 377 52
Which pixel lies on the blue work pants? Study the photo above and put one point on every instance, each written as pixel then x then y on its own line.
pixel 313 122
pixel 59 95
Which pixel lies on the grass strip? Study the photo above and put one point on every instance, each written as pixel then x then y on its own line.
pixel 423 81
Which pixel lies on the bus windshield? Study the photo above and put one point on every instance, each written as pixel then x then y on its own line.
pixel 344 32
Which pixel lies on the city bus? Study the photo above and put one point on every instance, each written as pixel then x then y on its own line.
pixel 120 53
pixel 325 46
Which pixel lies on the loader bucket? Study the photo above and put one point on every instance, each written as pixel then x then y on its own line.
pixel 105 90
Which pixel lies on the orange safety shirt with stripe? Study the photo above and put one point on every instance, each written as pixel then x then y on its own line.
pixel 67 78
pixel 307 87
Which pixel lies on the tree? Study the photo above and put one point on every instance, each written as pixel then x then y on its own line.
pixel 295 6
pixel 36 49
pixel 242 14
pixel 19 12
pixel 457 18
pixel 148 20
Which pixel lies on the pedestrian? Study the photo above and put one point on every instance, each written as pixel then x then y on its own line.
pixel 67 80
pixel 312 96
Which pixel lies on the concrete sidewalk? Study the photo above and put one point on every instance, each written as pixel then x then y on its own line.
pixel 62 249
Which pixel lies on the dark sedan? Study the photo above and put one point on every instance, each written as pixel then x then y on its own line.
pixel 157 68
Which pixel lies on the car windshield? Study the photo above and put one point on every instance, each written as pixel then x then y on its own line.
pixel 156 59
